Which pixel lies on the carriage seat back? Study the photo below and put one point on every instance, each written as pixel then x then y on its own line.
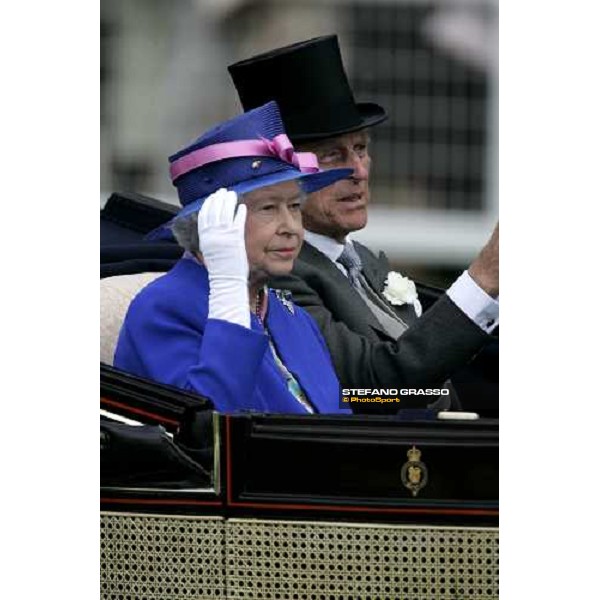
pixel 116 293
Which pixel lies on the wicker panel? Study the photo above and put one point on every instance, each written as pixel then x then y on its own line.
pixel 158 557
pixel 318 561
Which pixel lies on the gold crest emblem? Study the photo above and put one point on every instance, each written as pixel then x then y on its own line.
pixel 414 472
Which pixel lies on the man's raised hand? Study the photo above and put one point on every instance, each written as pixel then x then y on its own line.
pixel 485 268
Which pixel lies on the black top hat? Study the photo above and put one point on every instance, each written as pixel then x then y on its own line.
pixel 308 81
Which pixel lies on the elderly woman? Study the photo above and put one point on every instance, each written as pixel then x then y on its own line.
pixel 210 325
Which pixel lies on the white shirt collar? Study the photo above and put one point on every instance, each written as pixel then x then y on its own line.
pixel 331 248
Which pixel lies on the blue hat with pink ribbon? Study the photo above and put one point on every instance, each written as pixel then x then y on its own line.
pixel 242 154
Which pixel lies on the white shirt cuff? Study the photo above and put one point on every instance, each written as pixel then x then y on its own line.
pixel 482 309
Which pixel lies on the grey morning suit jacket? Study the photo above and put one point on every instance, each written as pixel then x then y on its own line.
pixel 441 341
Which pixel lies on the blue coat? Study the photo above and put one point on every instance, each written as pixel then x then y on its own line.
pixel 167 337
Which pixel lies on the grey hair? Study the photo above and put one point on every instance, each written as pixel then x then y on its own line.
pixel 185 230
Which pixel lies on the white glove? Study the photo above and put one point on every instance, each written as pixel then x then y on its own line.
pixel 221 237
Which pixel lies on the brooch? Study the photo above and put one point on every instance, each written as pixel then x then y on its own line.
pixel 285 297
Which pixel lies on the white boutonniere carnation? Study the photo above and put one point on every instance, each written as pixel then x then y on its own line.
pixel 400 290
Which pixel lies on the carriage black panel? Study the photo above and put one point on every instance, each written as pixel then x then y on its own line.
pixel 358 461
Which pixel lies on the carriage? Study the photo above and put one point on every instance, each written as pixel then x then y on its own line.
pixel 196 504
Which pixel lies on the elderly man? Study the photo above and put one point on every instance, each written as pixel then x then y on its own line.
pixel 370 318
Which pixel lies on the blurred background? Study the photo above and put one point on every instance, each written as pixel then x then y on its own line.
pixel 431 64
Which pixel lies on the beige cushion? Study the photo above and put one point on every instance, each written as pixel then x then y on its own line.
pixel 115 295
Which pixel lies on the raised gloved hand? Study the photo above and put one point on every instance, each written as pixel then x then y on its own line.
pixel 221 237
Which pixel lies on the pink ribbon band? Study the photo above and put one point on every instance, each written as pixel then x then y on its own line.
pixel 279 147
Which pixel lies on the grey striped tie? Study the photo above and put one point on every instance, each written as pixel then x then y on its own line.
pixel 350 260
